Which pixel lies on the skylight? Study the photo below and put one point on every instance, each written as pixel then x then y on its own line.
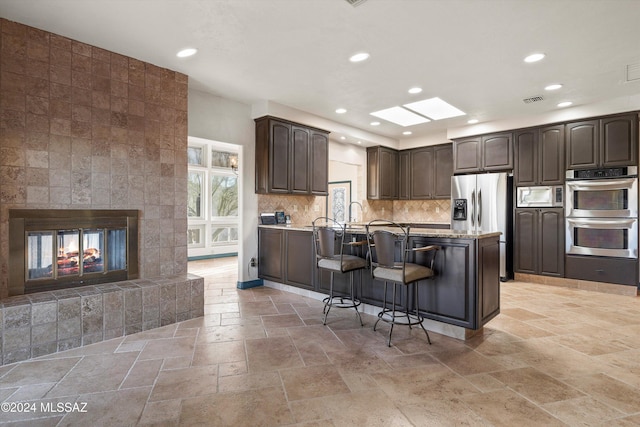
pixel 400 116
pixel 435 109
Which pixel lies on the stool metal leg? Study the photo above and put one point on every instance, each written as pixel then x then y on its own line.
pixel 328 301
pixel 384 306
pixel 393 313
pixel 353 298
pixel 341 301
pixel 420 319
pixel 407 305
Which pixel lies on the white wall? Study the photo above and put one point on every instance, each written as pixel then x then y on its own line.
pixel 348 162
pixel 221 119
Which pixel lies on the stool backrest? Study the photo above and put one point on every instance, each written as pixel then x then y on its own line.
pixel 388 242
pixel 326 233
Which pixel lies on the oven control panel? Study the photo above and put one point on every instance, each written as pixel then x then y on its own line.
pixel 602 173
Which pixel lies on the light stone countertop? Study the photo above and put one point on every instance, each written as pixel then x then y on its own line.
pixel 414 231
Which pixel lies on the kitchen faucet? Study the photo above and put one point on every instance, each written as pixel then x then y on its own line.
pixel 353 218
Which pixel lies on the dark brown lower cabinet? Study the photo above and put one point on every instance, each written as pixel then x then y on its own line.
pixel 271 254
pixel 286 256
pixel 539 241
pixel 299 263
pixel 465 291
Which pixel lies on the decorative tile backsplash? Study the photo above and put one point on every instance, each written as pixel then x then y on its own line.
pixel 304 209
pixel 422 210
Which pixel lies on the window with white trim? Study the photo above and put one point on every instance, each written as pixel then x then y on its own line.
pixel 212 199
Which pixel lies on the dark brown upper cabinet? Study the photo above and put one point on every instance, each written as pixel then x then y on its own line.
pixel 443 161
pixel 319 173
pixel 291 158
pixel 382 173
pixel 404 175
pixel 619 140
pixel 606 142
pixel 483 153
pixel 539 156
pixel 422 173
pixel 416 174
pixel 300 152
pixel 428 175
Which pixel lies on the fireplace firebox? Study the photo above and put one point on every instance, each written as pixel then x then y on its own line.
pixel 63 248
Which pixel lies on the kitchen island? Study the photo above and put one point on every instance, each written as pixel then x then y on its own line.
pixel 464 295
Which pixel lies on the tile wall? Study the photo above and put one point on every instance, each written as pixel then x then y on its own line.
pixel 304 209
pixel 47 322
pixel 85 128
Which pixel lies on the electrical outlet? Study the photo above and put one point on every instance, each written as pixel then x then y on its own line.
pixel 437 209
pixel 252 262
pixel 295 208
pixel 306 208
pixel 406 209
pixel 316 208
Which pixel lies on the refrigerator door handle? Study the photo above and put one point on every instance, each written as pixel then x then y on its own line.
pixel 473 208
pixel 480 208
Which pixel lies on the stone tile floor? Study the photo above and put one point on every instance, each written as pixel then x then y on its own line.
pixel 261 357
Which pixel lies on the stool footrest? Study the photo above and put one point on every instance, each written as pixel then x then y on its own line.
pixel 400 317
pixel 341 302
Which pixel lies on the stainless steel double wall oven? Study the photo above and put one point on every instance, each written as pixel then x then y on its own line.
pixel 602 217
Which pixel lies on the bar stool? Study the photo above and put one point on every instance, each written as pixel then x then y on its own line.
pixel 389 250
pixel 327 233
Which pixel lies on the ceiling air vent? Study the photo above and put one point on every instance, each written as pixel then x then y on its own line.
pixel 355 3
pixel 533 99
pixel 633 72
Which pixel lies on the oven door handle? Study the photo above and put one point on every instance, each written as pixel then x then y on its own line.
pixel 602 184
pixel 602 223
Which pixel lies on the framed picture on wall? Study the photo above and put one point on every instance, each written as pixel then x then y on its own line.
pixel 338 200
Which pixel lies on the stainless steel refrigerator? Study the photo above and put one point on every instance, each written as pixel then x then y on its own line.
pixel 484 203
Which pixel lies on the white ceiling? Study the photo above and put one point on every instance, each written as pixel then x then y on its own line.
pixel 295 52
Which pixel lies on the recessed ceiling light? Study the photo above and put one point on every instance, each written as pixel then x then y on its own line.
pixel 359 142
pixel 415 90
pixel 435 109
pixel 407 132
pixel 400 116
pixel 564 104
pixel 359 57
pixel 343 138
pixel 554 86
pixel 341 110
pixel 472 121
pixel 534 57
pixel 184 53
pixel 375 123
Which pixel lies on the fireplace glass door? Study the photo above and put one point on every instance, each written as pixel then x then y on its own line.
pixel 40 255
pixel 78 252
pixel 65 248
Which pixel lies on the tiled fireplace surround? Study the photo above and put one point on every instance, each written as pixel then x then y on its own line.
pixel 85 128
